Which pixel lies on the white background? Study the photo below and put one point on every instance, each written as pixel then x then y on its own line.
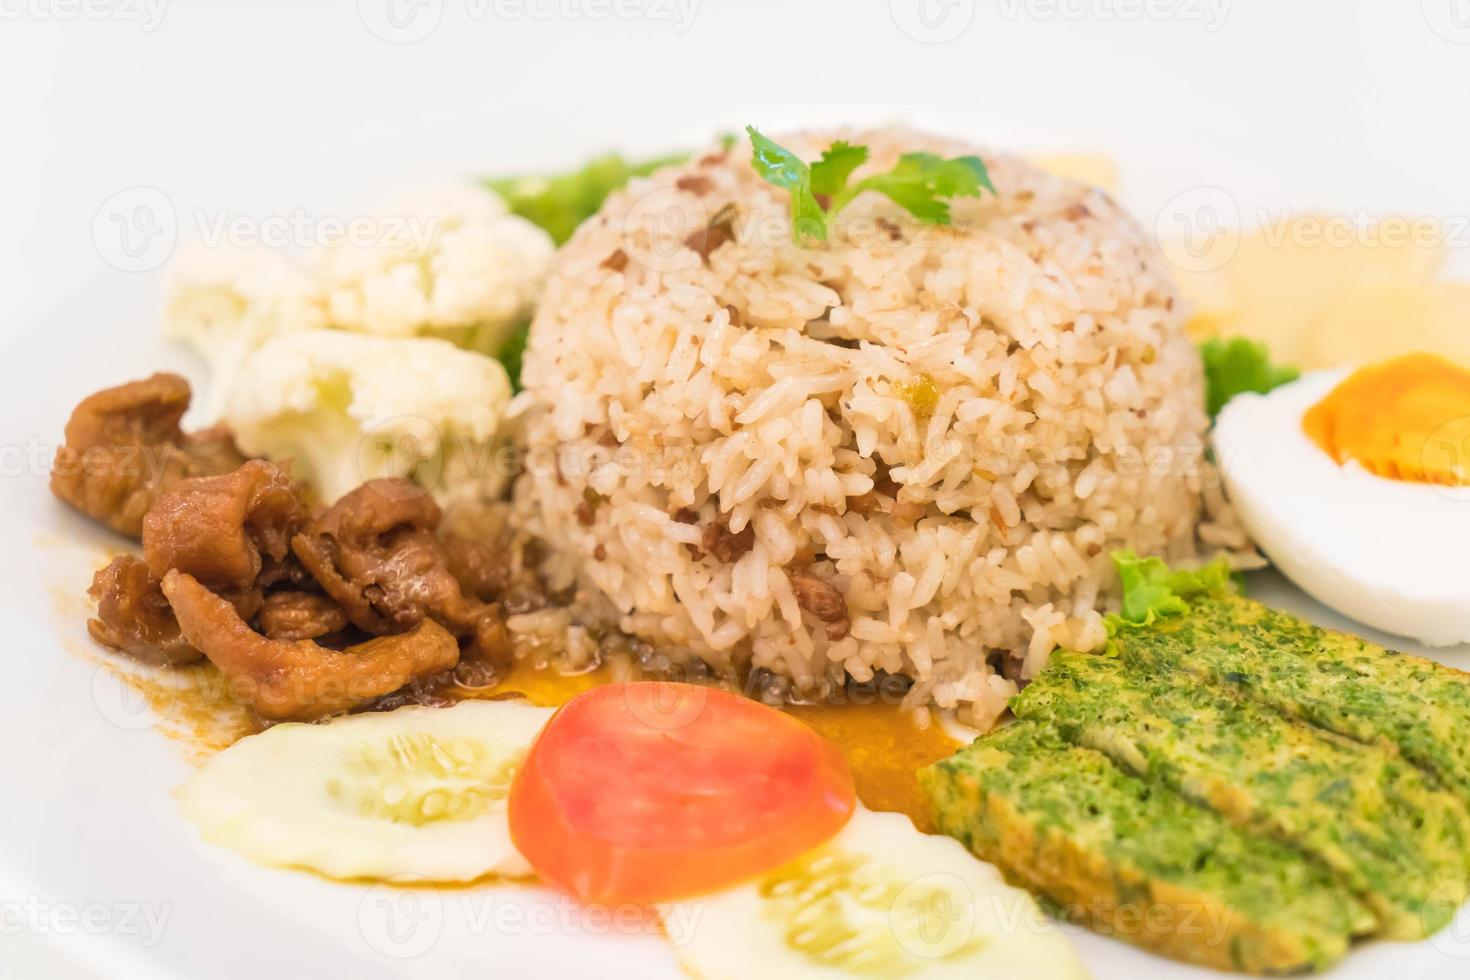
pixel 265 106
pixel 277 108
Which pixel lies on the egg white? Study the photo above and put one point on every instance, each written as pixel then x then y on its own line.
pixel 1387 553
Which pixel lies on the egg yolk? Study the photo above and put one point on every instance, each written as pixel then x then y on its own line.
pixel 1404 419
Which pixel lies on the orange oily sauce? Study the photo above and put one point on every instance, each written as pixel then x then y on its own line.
pixel 1404 419
pixel 884 745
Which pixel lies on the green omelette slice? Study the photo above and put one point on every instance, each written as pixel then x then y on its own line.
pixel 1338 682
pixel 1134 860
pixel 1365 812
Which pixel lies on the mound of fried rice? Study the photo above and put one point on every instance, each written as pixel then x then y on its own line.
pixel 908 450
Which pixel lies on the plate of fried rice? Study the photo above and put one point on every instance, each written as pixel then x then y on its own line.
pixel 724 535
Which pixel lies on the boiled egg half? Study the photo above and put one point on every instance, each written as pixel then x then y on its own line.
pixel 1356 483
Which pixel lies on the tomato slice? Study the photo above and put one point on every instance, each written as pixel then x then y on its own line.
pixel 652 791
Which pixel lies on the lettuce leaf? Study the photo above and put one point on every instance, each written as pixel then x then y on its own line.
pixel 1238 365
pixel 513 351
pixel 1152 590
pixel 561 202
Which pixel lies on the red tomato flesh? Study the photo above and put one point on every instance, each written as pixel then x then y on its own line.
pixel 652 791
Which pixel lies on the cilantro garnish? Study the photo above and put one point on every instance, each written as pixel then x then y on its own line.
pixel 920 182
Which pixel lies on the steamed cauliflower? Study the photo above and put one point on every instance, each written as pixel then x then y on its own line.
pixel 346 408
pixel 225 302
pixel 344 359
pixel 450 262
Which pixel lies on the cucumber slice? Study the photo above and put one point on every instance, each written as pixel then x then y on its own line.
pixel 878 900
pixel 412 793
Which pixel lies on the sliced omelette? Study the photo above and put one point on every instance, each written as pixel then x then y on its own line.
pixel 1365 812
pixel 1137 861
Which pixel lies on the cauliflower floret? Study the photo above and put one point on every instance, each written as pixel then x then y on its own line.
pixel 450 262
pixel 346 408
pixel 223 303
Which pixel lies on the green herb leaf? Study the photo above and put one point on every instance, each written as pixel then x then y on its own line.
pixel 1239 365
pixel 1152 590
pixel 830 173
pixel 920 183
pixel 778 165
pixel 561 202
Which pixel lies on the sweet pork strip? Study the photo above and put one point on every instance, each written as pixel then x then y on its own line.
pixel 124 447
pixel 299 680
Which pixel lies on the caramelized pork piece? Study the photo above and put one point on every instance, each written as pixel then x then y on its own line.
pixel 124 447
pixel 823 601
pixel 717 540
pixel 376 553
pixel 282 573
pixel 819 598
pixel 492 643
pixel 480 570
pixel 299 616
pixel 231 532
pixel 134 617
pixel 216 528
pixel 298 680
